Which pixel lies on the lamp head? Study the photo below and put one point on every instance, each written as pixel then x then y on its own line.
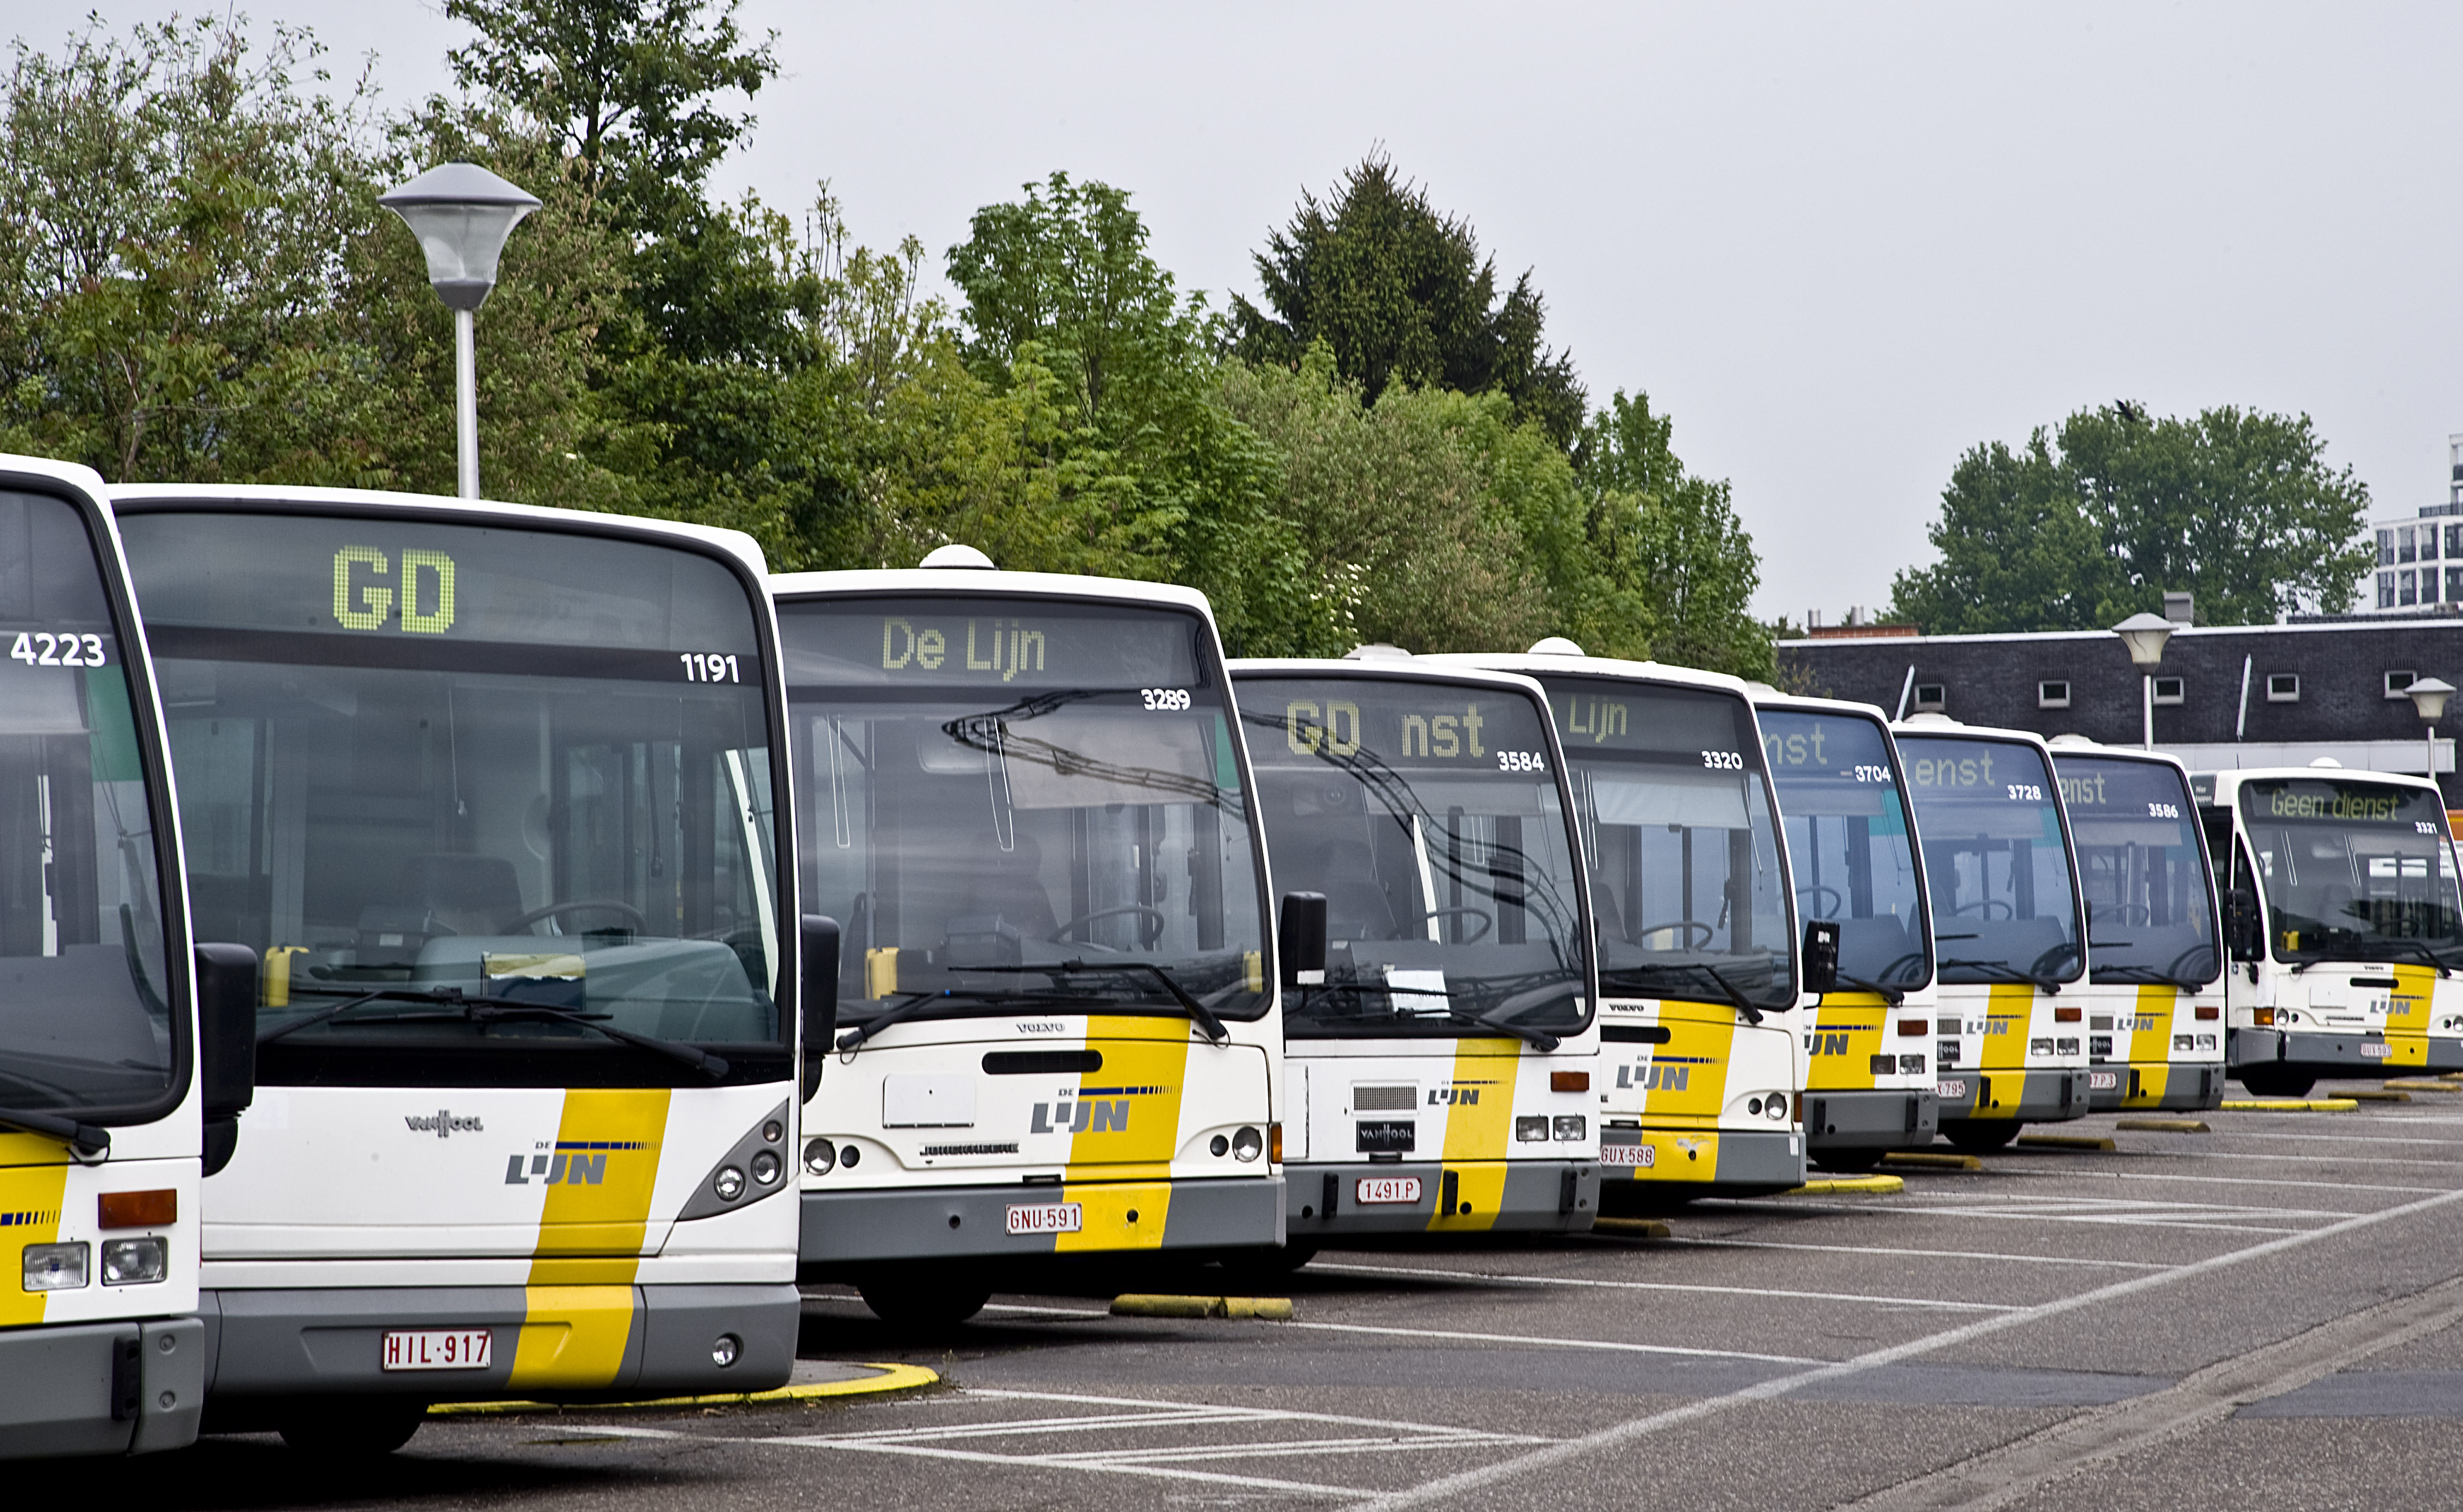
pixel 2145 634
pixel 461 215
pixel 2428 695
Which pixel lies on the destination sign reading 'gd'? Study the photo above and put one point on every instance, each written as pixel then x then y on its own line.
pixel 1393 722
pixel 986 641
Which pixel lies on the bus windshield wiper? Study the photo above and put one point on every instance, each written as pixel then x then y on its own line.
pixel 1198 1012
pixel 480 1008
pixel 2320 956
pixel 1892 995
pixel 1718 978
pixel 1539 1038
pixel 88 1144
pixel 2004 972
pixel 912 1004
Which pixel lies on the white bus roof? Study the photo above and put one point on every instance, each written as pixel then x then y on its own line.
pixel 977 580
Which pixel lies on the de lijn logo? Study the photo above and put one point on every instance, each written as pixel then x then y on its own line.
pixel 576 1163
pixel 1096 1110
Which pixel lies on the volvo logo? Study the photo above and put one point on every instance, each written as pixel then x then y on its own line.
pixel 442 1125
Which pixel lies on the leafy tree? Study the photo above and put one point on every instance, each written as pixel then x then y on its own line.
pixel 1677 568
pixel 1402 294
pixel 2085 528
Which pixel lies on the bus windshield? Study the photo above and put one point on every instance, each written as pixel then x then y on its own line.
pixel 1675 812
pixel 1020 802
pixel 86 1025
pixel 1994 860
pixel 2354 870
pixel 1428 815
pixel 502 783
pixel 2149 910
pixel 1848 844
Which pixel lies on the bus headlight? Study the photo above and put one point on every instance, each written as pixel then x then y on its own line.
pixel 55 1268
pixel 1570 1126
pixel 133 1262
pixel 1248 1144
pixel 766 1167
pixel 729 1183
pixel 820 1156
pixel 727 1186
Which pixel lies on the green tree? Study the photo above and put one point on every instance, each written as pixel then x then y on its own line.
pixel 1403 294
pixel 2091 525
pixel 1677 569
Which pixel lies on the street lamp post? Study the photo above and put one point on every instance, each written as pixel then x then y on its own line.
pixel 2428 695
pixel 2145 634
pixel 462 215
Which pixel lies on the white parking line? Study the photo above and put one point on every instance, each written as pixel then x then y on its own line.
pixel 2109 1221
pixel 2262 1181
pixel 1568 1451
pixel 1558 1344
pixel 1876 1249
pixel 1663 1285
pixel 2278 1157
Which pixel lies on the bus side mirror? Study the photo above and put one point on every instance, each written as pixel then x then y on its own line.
pixel 2244 926
pixel 1299 940
pixel 1821 956
pixel 226 977
pixel 819 987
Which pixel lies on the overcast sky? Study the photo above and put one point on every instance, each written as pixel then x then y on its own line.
pixel 1839 244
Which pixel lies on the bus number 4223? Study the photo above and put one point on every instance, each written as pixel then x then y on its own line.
pixel 43 648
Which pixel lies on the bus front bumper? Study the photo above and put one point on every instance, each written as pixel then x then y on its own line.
pixel 869 1226
pixel 1635 1163
pixel 1866 1119
pixel 553 1343
pixel 2328 1053
pixel 2029 1097
pixel 100 1388
pixel 1463 1196
pixel 2155 1086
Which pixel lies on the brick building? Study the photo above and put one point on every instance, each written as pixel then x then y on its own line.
pixel 2225 695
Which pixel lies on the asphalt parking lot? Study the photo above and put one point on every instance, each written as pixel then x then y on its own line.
pixel 2266 1314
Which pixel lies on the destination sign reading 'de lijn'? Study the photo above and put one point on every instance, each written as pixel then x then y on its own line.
pixel 1696 725
pixel 1396 723
pixel 986 641
pixel 422 582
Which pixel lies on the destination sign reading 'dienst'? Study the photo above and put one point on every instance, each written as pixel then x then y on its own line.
pixel 431 583
pixel 1396 723
pixel 2316 802
pixel 985 641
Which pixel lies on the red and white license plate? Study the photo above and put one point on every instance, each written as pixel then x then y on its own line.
pixel 1047 1217
pixel 438 1348
pixel 2102 1081
pixel 1370 1190
pixel 1949 1089
pixel 2377 1052
pixel 1629 1155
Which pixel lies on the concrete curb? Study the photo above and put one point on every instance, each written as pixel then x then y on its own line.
pixel 2289 1105
pixel 2375 1095
pixel 2164 1125
pixel 2420 1085
pixel 1632 1228
pixel 1148 1304
pixel 1931 1160
pixel 1839 1186
pixel 2066 1142
pixel 892 1378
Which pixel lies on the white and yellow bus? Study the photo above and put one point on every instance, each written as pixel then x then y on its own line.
pixel 1868 1044
pixel 1439 1077
pixel 2009 935
pixel 1025 796
pixel 1698 960
pixel 112 1099
pixel 489 791
pixel 2155 994
pixel 2342 924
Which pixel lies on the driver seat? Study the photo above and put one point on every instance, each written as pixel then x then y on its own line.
pixel 462 894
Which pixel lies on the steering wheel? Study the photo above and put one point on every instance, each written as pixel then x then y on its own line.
pixel 2203 954
pixel 2129 912
pixel 1149 928
pixel 1486 922
pixel 2042 965
pixel 638 920
pixel 1688 925
pixel 1983 909
pixel 1820 891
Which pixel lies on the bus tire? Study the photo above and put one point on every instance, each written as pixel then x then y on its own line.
pixel 353 1428
pixel 1269 1265
pixel 1972 1136
pixel 930 1299
pixel 2276 1081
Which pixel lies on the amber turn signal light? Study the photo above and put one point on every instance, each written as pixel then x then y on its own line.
pixel 1569 1081
pixel 1274 1143
pixel 2209 1011
pixel 1915 1026
pixel 139 1210
pixel 2067 1014
pixel 2265 1016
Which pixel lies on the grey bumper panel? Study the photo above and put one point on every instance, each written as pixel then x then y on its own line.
pixel 869 1227
pixel 321 1342
pixel 1548 1196
pixel 100 1388
pixel 1870 1120
pixel 2029 1097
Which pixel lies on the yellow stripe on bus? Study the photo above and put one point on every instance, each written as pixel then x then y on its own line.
pixel 1135 1098
pixel 2407 1016
pixel 579 1307
pixel 1478 1132
pixel 30 1196
pixel 1117 1215
pixel 573 1336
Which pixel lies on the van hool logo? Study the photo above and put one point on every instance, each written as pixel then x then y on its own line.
pixel 576 1163
pixel 442 1125
pixel 1090 1110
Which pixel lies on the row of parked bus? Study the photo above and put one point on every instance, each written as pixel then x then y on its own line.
pixel 458 951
